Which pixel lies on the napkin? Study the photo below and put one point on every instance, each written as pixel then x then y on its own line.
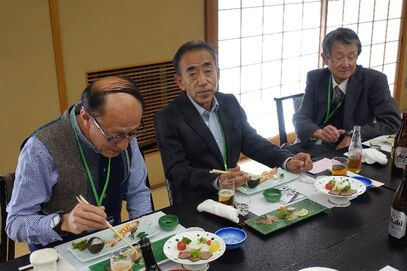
pixel 371 156
pixel 219 209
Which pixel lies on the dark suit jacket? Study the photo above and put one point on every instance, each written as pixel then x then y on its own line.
pixel 368 103
pixel 189 150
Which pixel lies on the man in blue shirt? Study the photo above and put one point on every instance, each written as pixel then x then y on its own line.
pixel 91 150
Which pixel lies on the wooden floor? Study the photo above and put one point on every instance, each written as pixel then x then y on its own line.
pixel 160 199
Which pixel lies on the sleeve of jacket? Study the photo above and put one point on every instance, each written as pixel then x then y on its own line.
pixel 177 168
pixel 383 107
pixel 304 119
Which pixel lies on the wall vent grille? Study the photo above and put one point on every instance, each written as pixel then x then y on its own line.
pixel 157 85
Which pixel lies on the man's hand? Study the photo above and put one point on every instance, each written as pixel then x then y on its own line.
pixel 239 177
pixel 328 134
pixel 301 162
pixel 84 217
pixel 344 143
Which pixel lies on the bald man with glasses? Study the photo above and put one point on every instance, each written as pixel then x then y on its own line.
pixel 91 150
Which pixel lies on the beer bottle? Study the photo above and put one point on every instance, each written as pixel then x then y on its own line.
pixel 148 256
pixel 399 152
pixel 355 151
pixel 398 214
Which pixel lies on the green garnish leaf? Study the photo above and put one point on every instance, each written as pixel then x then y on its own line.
pixel 142 235
pixel 196 253
pixel 202 240
pixel 186 240
pixel 82 245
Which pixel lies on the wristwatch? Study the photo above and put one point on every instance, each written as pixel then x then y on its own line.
pixel 56 221
pixel 349 132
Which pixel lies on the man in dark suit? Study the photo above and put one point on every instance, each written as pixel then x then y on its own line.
pixel 341 96
pixel 203 129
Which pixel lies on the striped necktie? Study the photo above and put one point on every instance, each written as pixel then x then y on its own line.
pixel 338 96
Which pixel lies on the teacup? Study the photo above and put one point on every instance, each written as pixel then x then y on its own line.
pixel 44 259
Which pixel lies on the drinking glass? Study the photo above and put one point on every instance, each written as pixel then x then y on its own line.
pixel 121 260
pixel 227 191
pixel 339 166
pixel 242 204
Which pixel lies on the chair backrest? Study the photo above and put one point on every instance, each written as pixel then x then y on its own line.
pixel 142 148
pixel 296 102
pixel 7 250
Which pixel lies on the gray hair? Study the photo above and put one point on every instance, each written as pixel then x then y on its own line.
pixel 342 35
pixel 193 45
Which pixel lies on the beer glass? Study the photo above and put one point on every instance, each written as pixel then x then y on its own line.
pixel 121 260
pixel 339 166
pixel 227 191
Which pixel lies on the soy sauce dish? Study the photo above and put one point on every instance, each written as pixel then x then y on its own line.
pixel 233 237
pixel 168 222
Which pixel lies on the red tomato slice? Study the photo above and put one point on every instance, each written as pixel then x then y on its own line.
pixel 328 186
pixel 181 245
pixel 209 242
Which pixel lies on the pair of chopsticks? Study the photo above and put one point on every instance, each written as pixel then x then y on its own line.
pixel 81 199
pixel 217 171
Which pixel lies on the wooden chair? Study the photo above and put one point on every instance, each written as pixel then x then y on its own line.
pixel 143 148
pixel 7 250
pixel 296 102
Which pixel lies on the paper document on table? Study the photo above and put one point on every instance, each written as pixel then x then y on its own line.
pixel 321 165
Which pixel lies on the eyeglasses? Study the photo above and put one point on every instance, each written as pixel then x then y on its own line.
pixel 118 138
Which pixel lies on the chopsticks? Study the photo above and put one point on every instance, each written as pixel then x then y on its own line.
pixel 81 199
pixel 217 171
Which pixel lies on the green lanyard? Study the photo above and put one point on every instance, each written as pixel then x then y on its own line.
pixel 329 114
pixel 98 198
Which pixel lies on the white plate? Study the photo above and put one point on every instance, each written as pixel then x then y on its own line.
pixel 106 235
pixel 171 251
pixel 357 185
pixel 269 183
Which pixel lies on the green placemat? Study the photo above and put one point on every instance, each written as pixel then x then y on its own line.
pixel 158 252
pixel 312 207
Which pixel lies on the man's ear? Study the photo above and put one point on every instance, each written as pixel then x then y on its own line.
pixel 324 58
pixel 179 82
pixel 85 117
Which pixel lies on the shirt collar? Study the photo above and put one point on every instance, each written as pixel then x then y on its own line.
pixel 81 136
pixel 343 86
pixel 202 110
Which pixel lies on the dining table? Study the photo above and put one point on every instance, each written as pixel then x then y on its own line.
pixel 341 238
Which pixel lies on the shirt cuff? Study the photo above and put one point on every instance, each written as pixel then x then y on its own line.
pixel 215 183
pixel 284 166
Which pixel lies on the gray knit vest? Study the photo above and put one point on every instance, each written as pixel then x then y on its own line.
pixel 60 141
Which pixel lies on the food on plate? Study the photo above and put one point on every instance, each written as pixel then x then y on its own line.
pixel 199 249
pixel 81 245
pixel 255 180
pixel 182 245
pixel 96 244
pixel 340 187
pixel 125 231
pixel 268 174
pixel 288 214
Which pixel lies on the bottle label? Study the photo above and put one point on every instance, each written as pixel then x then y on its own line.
pixel 400 157
pixel 397 226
